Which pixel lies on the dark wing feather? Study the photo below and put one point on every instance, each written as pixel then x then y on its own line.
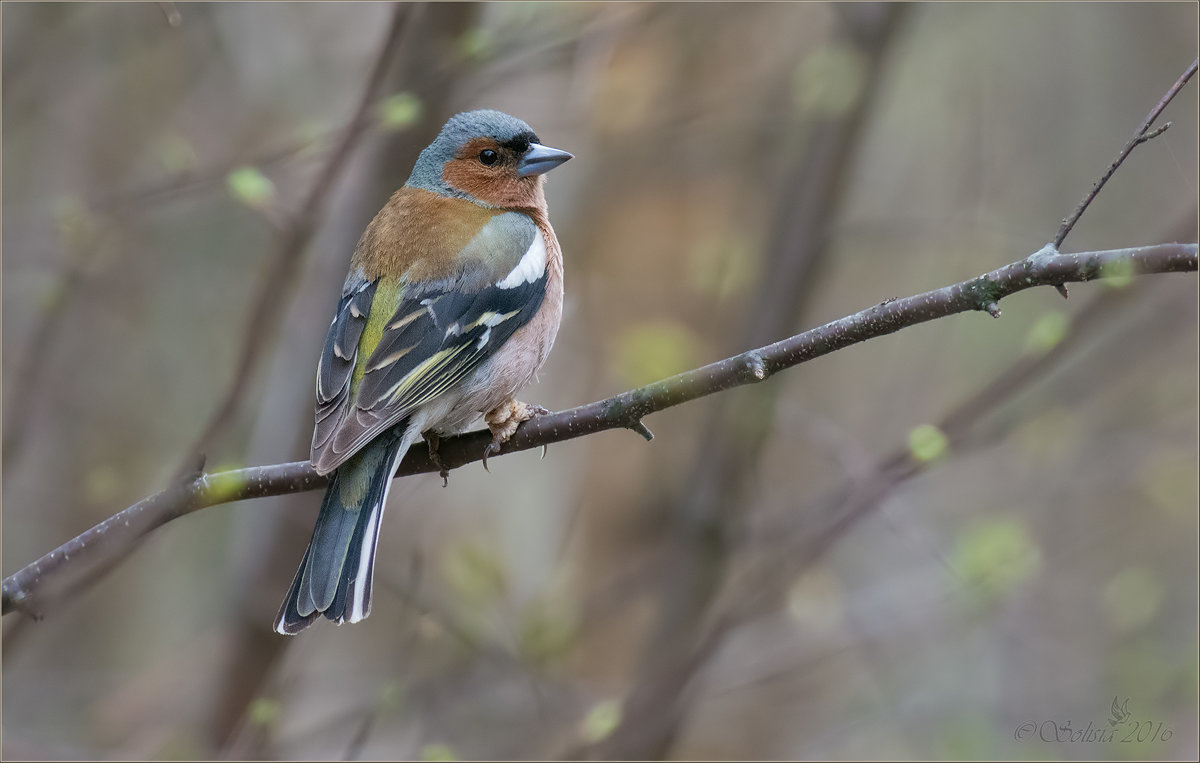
pixel 436 339
pixel 453 329
pixel 338 358
pixel 435 334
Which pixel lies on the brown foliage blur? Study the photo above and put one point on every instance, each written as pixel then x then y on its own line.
pixel 700 596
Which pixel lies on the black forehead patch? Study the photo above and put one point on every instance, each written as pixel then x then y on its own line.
pixel 520 142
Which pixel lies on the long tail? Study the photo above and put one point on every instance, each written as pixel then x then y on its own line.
pixel 335 575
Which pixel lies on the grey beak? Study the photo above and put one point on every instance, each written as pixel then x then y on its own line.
pixel 540 159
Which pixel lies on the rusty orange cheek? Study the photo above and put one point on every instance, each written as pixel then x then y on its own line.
pixel 500 187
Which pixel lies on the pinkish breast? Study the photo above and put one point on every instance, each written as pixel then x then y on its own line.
pixel 514 365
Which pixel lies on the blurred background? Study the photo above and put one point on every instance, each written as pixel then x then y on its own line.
pixel 912 548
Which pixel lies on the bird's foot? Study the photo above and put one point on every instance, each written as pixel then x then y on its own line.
pixel 431 442
pixel 503 421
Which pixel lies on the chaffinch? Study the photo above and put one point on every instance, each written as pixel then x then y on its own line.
pixel 452 303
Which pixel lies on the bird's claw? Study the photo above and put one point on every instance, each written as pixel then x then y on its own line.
pixel 503 421
pixel 432 441
pixel 492 448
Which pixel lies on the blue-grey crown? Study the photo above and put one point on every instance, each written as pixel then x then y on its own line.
pixel 460 128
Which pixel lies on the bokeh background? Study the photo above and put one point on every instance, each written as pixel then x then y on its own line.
pixel 911 548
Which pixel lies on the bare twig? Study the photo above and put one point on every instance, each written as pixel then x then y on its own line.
pixel 1140 136
pixel 22 589
pixel 280 272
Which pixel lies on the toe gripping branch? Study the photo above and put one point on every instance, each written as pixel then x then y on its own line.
pixel 505 426
pixel 432 441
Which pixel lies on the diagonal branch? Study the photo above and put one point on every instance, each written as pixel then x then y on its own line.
pixel 23 590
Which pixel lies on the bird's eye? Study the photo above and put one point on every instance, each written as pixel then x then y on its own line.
pixel 488 156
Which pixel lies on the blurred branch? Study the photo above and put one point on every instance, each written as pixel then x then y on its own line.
pixel 786 551
pixel 319 145
pixel 429 70
pixel 726 462
pixel 279 275
pixel 868 491
pixel 957 423
pixel 276 276
pixel 515 56
pixel 31 366
pixel 310 148
pixel 624 411
pixel 738 426
pixel 171 13
pixel 877 481
pixel 182 181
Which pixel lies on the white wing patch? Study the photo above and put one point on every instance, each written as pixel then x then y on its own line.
pixel 489 320
pixel 530 268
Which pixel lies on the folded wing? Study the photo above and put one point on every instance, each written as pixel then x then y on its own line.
pixel 374 372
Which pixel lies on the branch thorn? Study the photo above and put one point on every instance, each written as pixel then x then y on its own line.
pixel 642 429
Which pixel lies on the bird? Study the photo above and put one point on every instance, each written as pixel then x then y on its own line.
pixel 451 305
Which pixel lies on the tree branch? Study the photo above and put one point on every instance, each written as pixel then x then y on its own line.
pixel 23 589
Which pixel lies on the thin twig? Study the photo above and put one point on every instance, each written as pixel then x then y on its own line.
pixel 21 590
pixel 1139 137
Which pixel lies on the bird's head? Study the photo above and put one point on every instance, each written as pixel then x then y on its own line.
pixel 487 157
